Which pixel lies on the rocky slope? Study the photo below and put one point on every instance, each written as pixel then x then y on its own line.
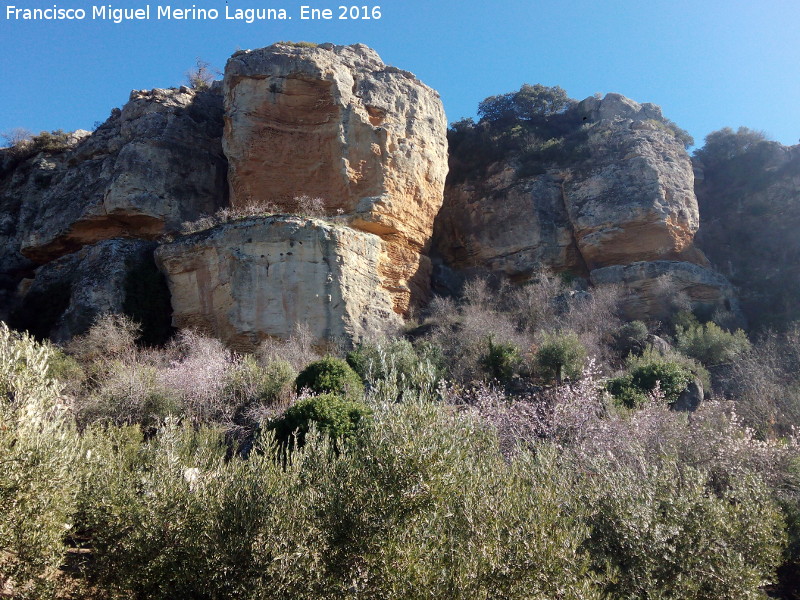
pixel 623 198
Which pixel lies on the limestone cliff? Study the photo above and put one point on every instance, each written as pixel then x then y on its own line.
pixel 258 277
pixel 335 122
pixel 331 122
pixel 622 194
pixel 152 165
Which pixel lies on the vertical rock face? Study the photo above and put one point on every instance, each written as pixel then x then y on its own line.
pixel 624 196
pixel 633 199
pixel 246 280
pixel 149 167
pixel 113 276
pixel 334 122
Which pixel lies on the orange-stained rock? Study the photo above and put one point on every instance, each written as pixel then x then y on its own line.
pixel 335 122
pixel 625 196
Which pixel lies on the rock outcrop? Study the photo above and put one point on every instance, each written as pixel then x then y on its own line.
pixel 624 195
pixel 633 198
pixel 116 276
pixel 152 165
pixel 335 122
pixel 655 284
pixel 149 167
pixel 249 279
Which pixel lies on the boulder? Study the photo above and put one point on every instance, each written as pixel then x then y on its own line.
pixel 247 280
pixel 336 123
pixel 690 398
pixel 654 287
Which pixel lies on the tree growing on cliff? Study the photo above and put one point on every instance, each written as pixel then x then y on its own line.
pixel 530 103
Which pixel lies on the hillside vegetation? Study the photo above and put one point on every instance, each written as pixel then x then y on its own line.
pixel 455 465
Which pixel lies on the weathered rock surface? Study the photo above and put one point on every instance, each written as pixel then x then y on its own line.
pixel 151 166
pixel 246 280
pixel 705 289
pixel 633 199
pixel 114 276
pixel 625 197
pixel 630 199
pixel 335 122
pixel 527 225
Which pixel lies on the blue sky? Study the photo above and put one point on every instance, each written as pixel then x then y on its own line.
pixel 709 64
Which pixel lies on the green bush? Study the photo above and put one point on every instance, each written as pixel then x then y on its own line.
pixel 631 338
pixel 39 451
pixel 330 375
pixel 328 413
pixel 631 390
pixel 658 532
pixel 501 361
pixel 561 354
pixel 710 344
pixel 51 141
pixel 394 368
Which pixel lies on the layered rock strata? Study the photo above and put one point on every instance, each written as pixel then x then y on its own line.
pixel 653 286
pixel 246 280
pixel 336 123
pixel 627 197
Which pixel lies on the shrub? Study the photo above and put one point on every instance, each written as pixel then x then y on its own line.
pixel 710 344
pixel 632 390
pixel 330 375
pixel 463 331
pixel 328 413
pixel 561 354
pixel 247 382
pixel 111 337
pixel 129 393
pixel 310 207
pixel 51 141
pixel 394 369
pixel 501 360
pixel 657 532
pixel 298 350
pixel 201 76
pixel 631 338
pixel 38 482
